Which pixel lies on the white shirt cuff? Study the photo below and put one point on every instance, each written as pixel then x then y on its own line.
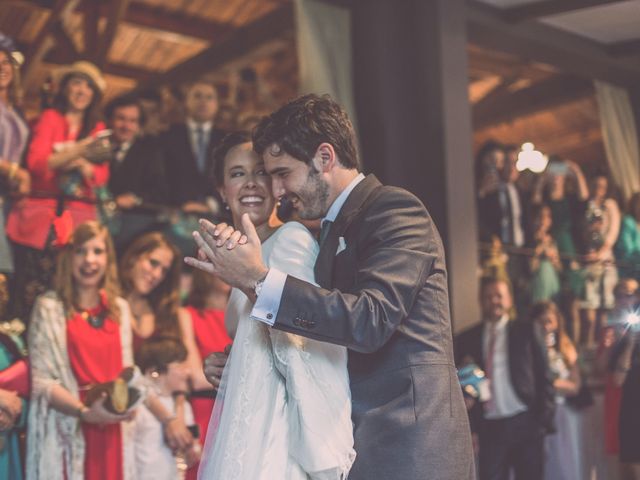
pixel 268 303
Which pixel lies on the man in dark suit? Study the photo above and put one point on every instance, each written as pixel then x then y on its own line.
pixel 188 151
pixel 383 293
pixel 510 425
pixel 137 178
pixel 502 213
pixel 500 207
pixel 136 169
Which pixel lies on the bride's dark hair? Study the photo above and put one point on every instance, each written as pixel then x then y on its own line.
pixel 220 153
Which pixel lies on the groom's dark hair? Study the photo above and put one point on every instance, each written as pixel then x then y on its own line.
pixel 300 126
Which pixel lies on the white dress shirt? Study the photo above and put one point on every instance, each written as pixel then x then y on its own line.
pixel 193 127
pixel 516 215
pixel 504 401
pixel 268 302
pixel 121 152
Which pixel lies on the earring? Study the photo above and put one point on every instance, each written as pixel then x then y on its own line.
pixel 226 207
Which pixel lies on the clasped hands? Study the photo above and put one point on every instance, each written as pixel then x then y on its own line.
pixel 239 267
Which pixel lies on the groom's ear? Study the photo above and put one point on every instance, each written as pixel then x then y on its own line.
pixel 325 157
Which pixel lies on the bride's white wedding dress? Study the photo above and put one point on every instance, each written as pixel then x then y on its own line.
pixel 283 411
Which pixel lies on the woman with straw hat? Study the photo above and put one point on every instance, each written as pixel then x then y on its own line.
pixel 64 181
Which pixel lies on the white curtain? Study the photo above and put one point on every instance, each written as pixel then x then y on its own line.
pixel 324 51
pixel 620 136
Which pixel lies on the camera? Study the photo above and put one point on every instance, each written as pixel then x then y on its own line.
pixel 558 168
pixel 474 382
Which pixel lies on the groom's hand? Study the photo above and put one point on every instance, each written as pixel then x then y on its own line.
pixel 222 253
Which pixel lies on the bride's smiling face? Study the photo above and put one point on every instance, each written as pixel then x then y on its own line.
pixel 247 186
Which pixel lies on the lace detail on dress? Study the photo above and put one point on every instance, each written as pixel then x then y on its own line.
pixel 284 407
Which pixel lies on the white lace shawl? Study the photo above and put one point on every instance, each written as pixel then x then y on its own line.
pixel 284 406
pixel 52 436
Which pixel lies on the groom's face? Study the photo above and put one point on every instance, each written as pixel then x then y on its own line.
pixel 302 184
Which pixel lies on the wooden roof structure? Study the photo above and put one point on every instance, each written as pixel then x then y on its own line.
pixel 531 62
pixel 543 56
pixel 151 43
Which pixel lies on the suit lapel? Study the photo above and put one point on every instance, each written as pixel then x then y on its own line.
pixel 188 146
pixel 352 206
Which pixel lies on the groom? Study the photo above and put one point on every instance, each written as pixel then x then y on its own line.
pixel 383 293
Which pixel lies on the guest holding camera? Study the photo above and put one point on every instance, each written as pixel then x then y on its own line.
pixel 63 179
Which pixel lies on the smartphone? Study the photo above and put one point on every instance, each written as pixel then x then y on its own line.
pixel 558 168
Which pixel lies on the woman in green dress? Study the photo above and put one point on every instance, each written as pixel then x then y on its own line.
pixel 12 405
pixel 627 248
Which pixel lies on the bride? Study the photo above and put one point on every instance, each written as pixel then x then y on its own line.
pixel 283 409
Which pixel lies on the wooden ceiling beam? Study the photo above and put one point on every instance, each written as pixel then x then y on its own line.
pixel 90 23
pixel 151 17
pixel 144 15
pixel 59 57
pixel 547 94
pixel 44 40
pixel 117 9
pixel 63 42
pixel 238 43
pixel 533 40
pixel 547 8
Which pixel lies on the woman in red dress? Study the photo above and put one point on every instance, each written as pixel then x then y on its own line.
pixel 63 181
pixel 150 277
pixel 80 336
pixel 203 332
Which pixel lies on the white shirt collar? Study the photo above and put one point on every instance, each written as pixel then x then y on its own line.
pixel 193 125
pixel 337 204
pixel 500 324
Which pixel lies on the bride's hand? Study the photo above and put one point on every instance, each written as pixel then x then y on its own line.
pixel 222 234
pixel 239 267
pixel 214 366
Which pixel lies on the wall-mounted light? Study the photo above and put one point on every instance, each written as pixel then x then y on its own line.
pixel 531 158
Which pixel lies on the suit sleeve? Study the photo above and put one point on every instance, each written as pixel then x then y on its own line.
pixel 399 244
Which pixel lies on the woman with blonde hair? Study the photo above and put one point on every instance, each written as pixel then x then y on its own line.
pixel 563 452
pixel 80 336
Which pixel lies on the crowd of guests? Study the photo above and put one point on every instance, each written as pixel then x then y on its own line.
pixel 97 216
pixel 554 246
pixel 98 206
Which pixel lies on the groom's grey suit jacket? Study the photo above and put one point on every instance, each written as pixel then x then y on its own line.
pixel 384 296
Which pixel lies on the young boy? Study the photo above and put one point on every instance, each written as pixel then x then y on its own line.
pixel 162 360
